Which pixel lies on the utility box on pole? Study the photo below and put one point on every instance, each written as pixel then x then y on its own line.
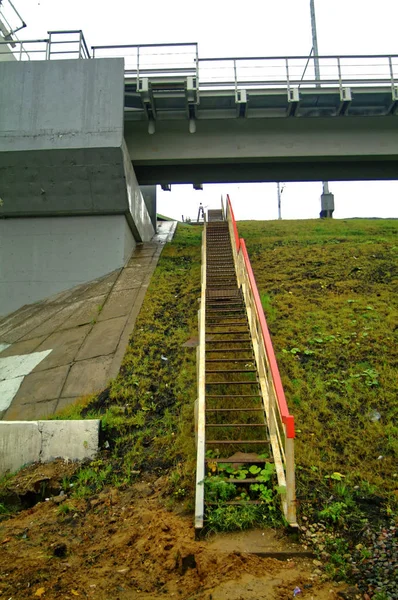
pixel 327 205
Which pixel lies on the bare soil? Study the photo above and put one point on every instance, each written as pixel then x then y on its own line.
pixel 124 544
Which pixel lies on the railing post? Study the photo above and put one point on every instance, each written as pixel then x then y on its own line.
pixel 339 71
pixel 201 439
pixel 287 75
pixel 80 44
pixel 290 482
pixel 391 75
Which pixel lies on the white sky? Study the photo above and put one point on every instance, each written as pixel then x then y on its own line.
pixel 233 28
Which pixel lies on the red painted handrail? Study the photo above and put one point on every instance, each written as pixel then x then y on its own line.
pixel 236 234
pixel 287 418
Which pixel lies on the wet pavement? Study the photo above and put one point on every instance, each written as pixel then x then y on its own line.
pixel 70 345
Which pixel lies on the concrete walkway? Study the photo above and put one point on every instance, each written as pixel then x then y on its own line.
pixel 72 344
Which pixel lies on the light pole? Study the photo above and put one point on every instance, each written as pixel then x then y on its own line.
pixel 280 192
pixel 327 198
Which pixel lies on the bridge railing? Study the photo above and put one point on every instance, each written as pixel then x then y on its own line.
pixel 298 71
pixel 280 421
pixel 59 45
pixel 154 60
pixel 182 60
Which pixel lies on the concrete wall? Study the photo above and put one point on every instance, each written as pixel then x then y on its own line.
pixel 274 149
pixel 61 142
pixel 43 256
pixel 49 105
pixel 25 442
pixel 149 194
pixel 138 215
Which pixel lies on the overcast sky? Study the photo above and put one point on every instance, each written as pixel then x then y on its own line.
pixel 232 28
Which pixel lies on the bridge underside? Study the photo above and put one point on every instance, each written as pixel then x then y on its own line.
pixel 244 150
pixel 312 169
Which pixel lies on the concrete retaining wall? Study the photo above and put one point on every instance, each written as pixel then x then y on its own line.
pixel 61 142
pixel 62 154
pixel 25 442
pixel 50 105
pixel 43 256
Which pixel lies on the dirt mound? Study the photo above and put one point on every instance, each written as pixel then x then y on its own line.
pixel 125 544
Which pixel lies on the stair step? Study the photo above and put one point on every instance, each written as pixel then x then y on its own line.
pixel 226 350
pixel 258 396
pixel 227 332
pixel 227 360
pixel 242 460
pixel 255 382
pixel 234 410
pixel 235 442
pixel 231 371
pixel 231 341
pixel 232 503
pixel 226 324
pixel 235 425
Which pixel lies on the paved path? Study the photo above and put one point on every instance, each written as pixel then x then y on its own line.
pixel 55 351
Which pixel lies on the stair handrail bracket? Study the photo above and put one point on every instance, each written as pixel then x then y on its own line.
pixel 201 404
pixel 280 422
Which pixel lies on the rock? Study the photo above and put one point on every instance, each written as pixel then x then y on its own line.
pixel 142 490
pixel 317 563
pixel 350 593
pixel 58 499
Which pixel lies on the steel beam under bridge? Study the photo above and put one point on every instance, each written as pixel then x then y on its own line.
pixel 239 150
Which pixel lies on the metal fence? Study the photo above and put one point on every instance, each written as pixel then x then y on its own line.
pixel 181 60
pixel 59 45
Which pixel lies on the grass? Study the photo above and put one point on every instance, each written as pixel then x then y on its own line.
pixel 147 413
pixel 329 290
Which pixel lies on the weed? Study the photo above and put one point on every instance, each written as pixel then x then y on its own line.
pixel 64 509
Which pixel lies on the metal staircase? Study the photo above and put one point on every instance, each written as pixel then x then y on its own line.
pixel 242 416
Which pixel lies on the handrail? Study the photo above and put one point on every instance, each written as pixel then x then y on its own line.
pixel 201 401
pixel 287 418
pixel 280 422
pixel 349 70
pixel 234 225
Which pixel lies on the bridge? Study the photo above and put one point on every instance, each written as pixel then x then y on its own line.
pixel 191 119
pixel 89 132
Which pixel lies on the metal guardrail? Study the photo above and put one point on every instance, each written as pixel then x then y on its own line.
pixel 280 421
pixel 59 45
pixel 181 60
pixel 299 71
pixel 200 420
pixel 154 60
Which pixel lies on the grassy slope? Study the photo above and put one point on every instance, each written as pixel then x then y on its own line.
pixel 329 290
pixel 147 412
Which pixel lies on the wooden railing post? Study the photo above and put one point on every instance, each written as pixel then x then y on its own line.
pixel 201 357
pixel 290 481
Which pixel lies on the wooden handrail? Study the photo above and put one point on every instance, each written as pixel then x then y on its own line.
pixel 236 234
pixel 287 418
pixel 279 421
pixel 240 244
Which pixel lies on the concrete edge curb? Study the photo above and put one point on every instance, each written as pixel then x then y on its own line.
pixel 25 442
